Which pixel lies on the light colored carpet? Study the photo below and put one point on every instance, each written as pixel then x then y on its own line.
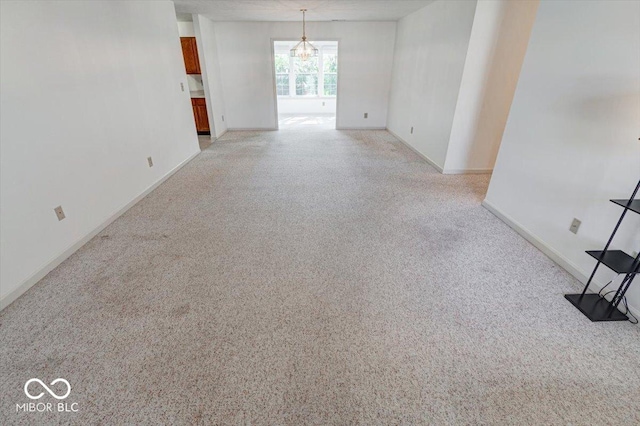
pixel 312 122
pixel 319 277
pixel 204 141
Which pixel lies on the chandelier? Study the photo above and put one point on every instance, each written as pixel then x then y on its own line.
pixel 304 49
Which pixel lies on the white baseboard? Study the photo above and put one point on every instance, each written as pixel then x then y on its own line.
pixel 438 168
pixel 308 114
pixel 467 171
pixel 421 155
pixel 558 258
pixel 53 263
pixel 221 135
pixel 251 129
pixel 360 128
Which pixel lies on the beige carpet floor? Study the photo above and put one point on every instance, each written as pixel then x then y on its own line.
pixel 313 122
pixel 316 277
pixel 204 141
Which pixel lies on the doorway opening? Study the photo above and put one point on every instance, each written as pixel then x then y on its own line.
pixel 306 90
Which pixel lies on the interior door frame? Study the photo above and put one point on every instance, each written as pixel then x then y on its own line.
pixel 273 73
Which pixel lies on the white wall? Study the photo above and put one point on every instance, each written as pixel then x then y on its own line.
pixel 301 105
pixel 210 67
pixel 499 39
pixel 103 94
pixel 195 82
pixel 186 29
pixel 365 59
pixel 571 140
pixel 431 47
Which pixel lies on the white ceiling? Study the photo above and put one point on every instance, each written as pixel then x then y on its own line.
pixel 289 10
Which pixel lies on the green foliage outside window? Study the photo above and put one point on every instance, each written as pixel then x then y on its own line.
pixel 306 76
pixel 282 63
pixel 330 63
pixel 330 68
pixel 282 74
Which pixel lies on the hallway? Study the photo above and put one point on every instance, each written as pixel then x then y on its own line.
pixel 321 277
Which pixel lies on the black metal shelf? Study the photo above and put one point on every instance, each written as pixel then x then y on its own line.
pixel 634 207
pixel 616 260
pixel 594 306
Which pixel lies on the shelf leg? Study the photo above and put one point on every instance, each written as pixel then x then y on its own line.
pixel 616 301
pixel 616 297
pixel 593 274
pixel 622 290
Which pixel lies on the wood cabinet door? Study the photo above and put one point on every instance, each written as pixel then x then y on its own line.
pixel 200 114
pixel 190 54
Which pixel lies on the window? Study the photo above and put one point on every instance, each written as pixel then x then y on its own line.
pixel 306 76
pixel 315 77
pixel 330 71
pixel 282 74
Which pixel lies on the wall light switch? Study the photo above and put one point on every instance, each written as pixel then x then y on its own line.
pixel 59 212
pixel 366 115
pixel 322 103
pixel 182 86
pixel 150 161
pixel 411 129
pixel 223 118
pixel 575 225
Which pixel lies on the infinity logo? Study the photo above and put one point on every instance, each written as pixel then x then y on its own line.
pixel 52 393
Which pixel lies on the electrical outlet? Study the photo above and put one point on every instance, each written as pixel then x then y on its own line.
pixel 366 115
pixel 150 161
pixel 59 212
pixel 182 86
pixel 411 129
pixel 575 225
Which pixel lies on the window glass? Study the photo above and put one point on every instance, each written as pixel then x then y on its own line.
pixel 330 68
pixel 282 74
pixel 313 77
pixel 306 76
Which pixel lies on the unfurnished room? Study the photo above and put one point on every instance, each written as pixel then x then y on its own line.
pixel 320 212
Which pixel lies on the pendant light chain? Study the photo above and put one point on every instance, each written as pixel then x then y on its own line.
pixel 304 49
pixel 304 31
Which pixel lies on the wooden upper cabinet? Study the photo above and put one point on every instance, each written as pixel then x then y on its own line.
pixel 190 54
